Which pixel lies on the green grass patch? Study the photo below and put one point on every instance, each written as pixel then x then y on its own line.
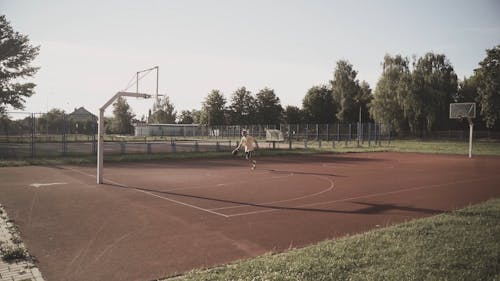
pixel 462 245
pixel 447 147
pixel 14 253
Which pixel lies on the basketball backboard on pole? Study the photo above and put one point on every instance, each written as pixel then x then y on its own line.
pixel 100 130
pixel 464 110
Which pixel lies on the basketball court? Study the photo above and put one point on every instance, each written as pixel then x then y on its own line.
pixel 161 218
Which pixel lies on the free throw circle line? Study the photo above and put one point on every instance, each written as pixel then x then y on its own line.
pixel 332 185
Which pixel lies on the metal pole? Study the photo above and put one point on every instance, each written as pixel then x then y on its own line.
pixel 137 82
pixel 33 135
pixel 100 130
pixel 157 78
pixel 359 126
pixel 470 138
pixel 100 147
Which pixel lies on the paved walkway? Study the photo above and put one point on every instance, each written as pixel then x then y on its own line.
pixel 17 271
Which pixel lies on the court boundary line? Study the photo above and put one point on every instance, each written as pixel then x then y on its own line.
pixel 152 194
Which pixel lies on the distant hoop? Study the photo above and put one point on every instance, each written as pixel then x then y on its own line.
pixel 461 111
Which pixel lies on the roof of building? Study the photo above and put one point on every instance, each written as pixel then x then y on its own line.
pixel 82 113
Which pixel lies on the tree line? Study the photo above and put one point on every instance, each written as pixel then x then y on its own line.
pixel 410 95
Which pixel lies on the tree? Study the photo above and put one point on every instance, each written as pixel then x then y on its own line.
pixel 242 107
pixel 392 88
pixel 16 54
pixel 345 89
pixel 186 117
pixel 467 90
pixel 488 86
pixel 163 112
pixel 293 115
pixel 319 106
pixel 213 109
pixel 51 122
pixel 268 108
pixel 434 86
pixel 364 99
pixel 121 122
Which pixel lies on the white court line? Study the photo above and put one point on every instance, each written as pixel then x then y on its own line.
pixel 154 195
pixel 287 200
pixel 168 199
pixel 368 196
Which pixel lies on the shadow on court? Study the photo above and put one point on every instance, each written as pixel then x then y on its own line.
pixel 371 210
pixel 302 173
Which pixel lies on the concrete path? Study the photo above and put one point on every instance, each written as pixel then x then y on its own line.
pixel 17 271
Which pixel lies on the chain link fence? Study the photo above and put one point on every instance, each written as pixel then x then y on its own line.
pixel 37 135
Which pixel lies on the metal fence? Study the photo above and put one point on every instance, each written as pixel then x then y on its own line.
pixel 36 135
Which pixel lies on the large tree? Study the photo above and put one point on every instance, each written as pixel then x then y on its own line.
pixel 269 108
pixel 293 115
pixel 213 109
pixel 363 100
pixel 319 106
pixel 392 88
pixel 467 90
pixel 163 112
pixel 434 86
pixel 52 122
pixel 488 86
pixel 16 54
pixel 121 123
pixel 186 117
pixel 345 88
pixel 242 107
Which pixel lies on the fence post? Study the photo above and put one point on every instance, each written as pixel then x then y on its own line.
pixel 32 135
pixel 348 139
pixel 172 144
pixel 369 133
pixel 196 147
pixel 338 131
pixel 317 132
pixel 327 133
pixel 389 135
pixel 63 131
pixel 379 134
pixel 362 134
pixel 122 147
pixel 358 134
pixel 217 147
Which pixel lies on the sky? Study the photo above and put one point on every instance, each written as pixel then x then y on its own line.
pixel 89 50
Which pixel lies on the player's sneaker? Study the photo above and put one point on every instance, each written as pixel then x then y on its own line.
pixel 253 164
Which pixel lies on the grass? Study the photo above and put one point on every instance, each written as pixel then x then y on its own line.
pixel 462 245
pixel 13 253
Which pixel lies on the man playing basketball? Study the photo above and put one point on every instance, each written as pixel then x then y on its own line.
pixel 250 144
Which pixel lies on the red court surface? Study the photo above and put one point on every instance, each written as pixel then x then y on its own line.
pixel 158 219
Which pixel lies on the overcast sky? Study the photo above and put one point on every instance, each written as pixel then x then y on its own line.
pixel 91 49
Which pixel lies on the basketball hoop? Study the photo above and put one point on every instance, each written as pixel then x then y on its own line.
pixel 100 130
pixel 464 110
